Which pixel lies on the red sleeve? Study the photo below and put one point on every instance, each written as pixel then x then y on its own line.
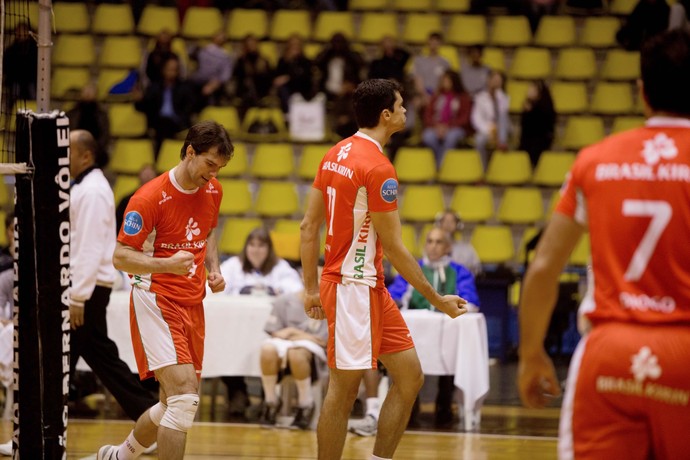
pixel 139 222
pixel 382 188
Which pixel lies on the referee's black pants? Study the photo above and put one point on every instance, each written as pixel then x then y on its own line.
pixel 91 342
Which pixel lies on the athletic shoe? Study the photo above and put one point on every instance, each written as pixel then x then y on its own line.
pixel 150 449
pixel 270 413
pixel 365 426
pixel 303 418
pixel 107 452
pixel 6 449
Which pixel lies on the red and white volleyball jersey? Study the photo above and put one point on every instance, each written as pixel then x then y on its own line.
pixel 161 219
pixel 355 178
pixel 633 192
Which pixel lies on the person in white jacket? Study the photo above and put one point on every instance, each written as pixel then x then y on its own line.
pixel 92 230
pixel 490 117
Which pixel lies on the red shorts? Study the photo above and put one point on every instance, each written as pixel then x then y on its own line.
pixel 628 394
pixel 363 323
pixel 165 333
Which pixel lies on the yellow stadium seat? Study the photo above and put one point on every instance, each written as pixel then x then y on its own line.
pixel 473 204
pixel 555 31
pixel 510 31
pixel 409 239
pixel 461 166
pixel 580 255
pixel 290 22
pixel 287 225
pixel 260 114
pixel 466 30
pixel 552 168
pixel 273 161
pixel 517 90
pixel 569 97
pixel 71 18
pixel 415 164
pixel 309 161
pixel 3 235
pixel 244 22
pixel 74 50
pixel 124 185
pixel 374 26
pixel 331 22
pixel 155 19
pixel 126 121
pixel 235 232
pixel 509 168
pixel 453 6
pixel 622 7
pixel 494 58
pixel 612 98
pixel 599 32
pixel 107 78
pixel 269 50
pixel 494 244
pixel 527 235
pixel 421 203
pixel 114 19
pixel 226 116
pixel 277 199
pixel 418 26
pixel 168 155
pixel 368 5
pixel 21 10
pixel 237 197
pixel 130 155
pixel 624 123
pixel 581 131
pixel 239 163
pixel 575 64
pixel 201 22
pixel 521 205
pixel 121 52
pixel 67 82
pixel 450 53
pixel 6 197
pixel 621 65
pixel 531 64
pixel 286 245
pixel 411 5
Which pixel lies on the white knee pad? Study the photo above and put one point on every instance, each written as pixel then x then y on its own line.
pixel 181 411
pixel 156 413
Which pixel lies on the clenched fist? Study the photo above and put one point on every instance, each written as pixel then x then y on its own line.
pixel 452 305
pixel 181 263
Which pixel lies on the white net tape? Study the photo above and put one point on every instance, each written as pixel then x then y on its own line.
pixel 14 168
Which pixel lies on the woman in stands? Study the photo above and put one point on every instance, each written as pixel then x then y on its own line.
pixel 538 121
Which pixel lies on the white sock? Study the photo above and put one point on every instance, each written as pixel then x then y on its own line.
pixel 374 457
pixel 130 449
pixel 304 392
pixel 373 407
pixel 269 383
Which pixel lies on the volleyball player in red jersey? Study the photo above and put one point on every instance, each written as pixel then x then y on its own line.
pixel 355 194
pixel 628 388
pixel 167 244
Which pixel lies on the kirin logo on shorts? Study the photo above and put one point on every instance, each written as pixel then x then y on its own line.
pixel 133 223
pixel 389 190
pixel 645 364
pixel 192 229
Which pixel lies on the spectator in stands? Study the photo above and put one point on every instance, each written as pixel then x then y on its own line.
pixel 296 344
pixel 20 63
pixel 146 173
pixel 447 277
pixel 490 117
pixel 447 116
pixel 462 252
pixel 535 9
pixel 338 63
pixel 427 69
pixel 257 270
pixel 89 115
pixel 214 70
pixel 537 121
pixel 253 74
pixel 474 72
pixel 168 104
pixel 391 64
pixel 648 18
pixel 162 51
pixel 343 112
pixel 293 73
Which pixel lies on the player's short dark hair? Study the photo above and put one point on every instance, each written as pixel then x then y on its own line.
pixel 207 134
pixel 665 70
pixel 373 97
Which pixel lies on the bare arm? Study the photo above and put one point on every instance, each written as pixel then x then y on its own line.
pixel 536 375
pixel 309 251
pixel 135 262
pixel 215 279
pixel 387 225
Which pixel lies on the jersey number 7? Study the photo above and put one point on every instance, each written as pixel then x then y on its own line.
pixel 660 212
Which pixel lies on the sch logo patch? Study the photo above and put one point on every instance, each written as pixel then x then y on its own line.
pixel 389 190
pixel 133 223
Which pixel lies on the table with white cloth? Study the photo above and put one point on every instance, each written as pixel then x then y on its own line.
pixel 457 347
